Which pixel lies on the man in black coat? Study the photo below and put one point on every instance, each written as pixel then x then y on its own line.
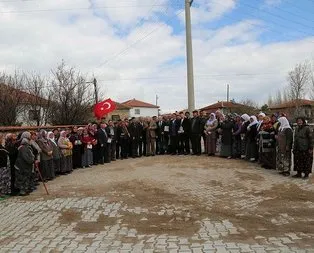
pixel 134 137
pixel 196 132
pixel 174 128
pixel 160 133
pixel 102 135
pixel 142 137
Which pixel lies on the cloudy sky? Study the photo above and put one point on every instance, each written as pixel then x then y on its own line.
pixel 136 48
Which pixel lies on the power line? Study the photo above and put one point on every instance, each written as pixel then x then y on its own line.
pixel 81 9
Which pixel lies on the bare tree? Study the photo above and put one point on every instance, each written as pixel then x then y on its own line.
pixel 71 96
pixel 39 99
pixel 298 80
pixel 11 98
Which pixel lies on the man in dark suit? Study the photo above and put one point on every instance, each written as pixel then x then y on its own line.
pixel 174 128
pixel 160 142
pixel 196 133
pixel 112 135
pixel 103 143
pixel 134 137
pixel 142 135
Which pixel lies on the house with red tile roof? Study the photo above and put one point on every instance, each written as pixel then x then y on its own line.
pixel 295 108
pixel 141 109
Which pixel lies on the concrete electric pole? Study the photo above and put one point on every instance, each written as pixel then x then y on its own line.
pixel 189 56
pixel 94 82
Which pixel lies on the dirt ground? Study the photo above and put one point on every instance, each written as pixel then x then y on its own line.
pixel 176 194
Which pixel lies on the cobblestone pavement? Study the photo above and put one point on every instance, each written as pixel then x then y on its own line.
pixel 164 204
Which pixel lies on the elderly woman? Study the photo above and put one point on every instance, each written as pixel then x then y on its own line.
pixel 210 133
pixel 267 144
pixel 237 130
pixel 46 158
pixel 66 149
pixel 75 138
pixel 303 149
pixel 56 153
pixel 11 146
pixel 24 165
pixel 251 147
pixel 87 156
pixel 226 127
pixel 284 142
pixel 245 118
pixel 5 173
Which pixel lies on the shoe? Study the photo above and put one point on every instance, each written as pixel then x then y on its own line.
pixel 306 176
pixel 297 176
pixel 286 174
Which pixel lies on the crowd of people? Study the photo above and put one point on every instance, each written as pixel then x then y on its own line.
pixel 269 141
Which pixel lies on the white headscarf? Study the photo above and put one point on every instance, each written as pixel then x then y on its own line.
pixel 210 121
pixel 254 122
pixel 245 117
pixel 284 123
pixel 51 139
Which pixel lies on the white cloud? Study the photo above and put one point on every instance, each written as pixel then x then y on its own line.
pixel 40 40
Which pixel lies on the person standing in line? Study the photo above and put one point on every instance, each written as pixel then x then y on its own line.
pixel 65 146
pixel 142 140
pixel 24 165
pixel 210 132
pixel 134 137
pixel 151 136
pixel 56 153
pixel 251 134
pixel 112 130
pixel 284 140
pixel 46 156
pixel 87 142
pixel 204 118
pixel 173 131
pixel 5 173
pixel 75 138
pixel 123 136
pixel 237 137
pixel 103 143
pixel 227 127
pixel 303 149
pixel 11 146
pixel 196 133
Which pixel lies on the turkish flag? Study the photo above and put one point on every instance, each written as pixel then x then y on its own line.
pixel 103 108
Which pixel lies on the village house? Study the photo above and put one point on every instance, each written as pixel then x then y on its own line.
pixel 227 107
pixel 295 108
pixel 21 108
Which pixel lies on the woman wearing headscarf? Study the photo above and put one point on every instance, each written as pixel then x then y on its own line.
pixel 226 127
pixel 24 165
pixel 303 149
pixel 284 142
pixel 245 118
pixel 56 153
pixel 46 158
pixel 75 138
pixel 251 134
pixel 210 133
pixel 87 157
pixel 66 150
pixel 12 147
pixel 267 144
pixel 36 151
pixel 5 173
pixel 237 130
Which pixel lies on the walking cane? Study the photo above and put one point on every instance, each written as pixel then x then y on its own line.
pixel 41 178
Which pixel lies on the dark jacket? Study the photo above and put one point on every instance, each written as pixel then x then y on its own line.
pixel 4 155
pixel 186 126
pixel 25 158
pixel 196 126
pixel 174 127
pixel 303 139
pixel 134 131
pixel 102 136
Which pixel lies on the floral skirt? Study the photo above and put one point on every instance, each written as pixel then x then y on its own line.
pixel 283 162
pixel 5 181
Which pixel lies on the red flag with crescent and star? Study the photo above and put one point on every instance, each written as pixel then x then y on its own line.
pixel 103 108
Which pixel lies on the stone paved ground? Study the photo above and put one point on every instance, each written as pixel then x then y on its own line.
pixel 164 204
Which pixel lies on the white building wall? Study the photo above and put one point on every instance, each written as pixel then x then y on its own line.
pixel 23 116
pixel 144 112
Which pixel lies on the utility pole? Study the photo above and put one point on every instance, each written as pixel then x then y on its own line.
pixel 96 90
pixel 189 56
pixel 157 100
pixel 228 92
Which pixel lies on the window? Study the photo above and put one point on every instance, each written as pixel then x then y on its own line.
pixel 34 115
pixel 115 117
pixel 137 111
